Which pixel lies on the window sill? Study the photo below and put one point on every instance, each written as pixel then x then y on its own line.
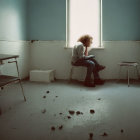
pixel 97 48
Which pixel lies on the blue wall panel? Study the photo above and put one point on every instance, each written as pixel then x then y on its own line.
pixel 121 20
pixel 47 20
pixel 13 20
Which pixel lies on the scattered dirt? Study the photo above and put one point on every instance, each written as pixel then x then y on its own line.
pixel 43 111
pixel 44 96
pixel 56 96
pixel 60 113
pixel 78 112
pixel 60 127
pixel 32 41
pixel 99 98
pixel 92 111
pixel 69 117
pixel 104 134
pixel 53 128
pixel 71 112
pixel 48 91
pixel 122 130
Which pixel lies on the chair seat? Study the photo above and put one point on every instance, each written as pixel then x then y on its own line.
pixel 72 69
pixel 125 63
pixel 128 64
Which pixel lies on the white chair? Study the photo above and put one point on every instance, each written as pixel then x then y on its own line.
pixel 72 69
pixel 128 65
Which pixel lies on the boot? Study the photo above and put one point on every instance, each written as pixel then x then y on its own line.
pixel 100 67
pixel 99 81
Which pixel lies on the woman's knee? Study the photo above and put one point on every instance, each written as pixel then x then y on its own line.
pixel 91 64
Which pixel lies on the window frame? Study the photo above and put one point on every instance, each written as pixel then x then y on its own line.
pixel 68 24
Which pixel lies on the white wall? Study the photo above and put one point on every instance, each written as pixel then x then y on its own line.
pixel 115 52
pixel 53 55
pixel 20 48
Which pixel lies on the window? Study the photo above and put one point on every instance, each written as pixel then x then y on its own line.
pixel 83 17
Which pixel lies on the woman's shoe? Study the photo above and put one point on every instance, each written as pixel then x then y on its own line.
pixel 100 67
pixel 99 81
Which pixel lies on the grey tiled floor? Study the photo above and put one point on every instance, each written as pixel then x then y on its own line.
pixel 116 107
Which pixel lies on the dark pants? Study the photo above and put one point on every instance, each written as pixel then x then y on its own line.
pixel 91 65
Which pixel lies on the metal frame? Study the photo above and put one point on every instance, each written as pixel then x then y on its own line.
pixel 128 65
pixel 10 79
pixel 18 77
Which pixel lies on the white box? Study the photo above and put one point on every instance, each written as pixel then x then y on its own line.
pixel 42 75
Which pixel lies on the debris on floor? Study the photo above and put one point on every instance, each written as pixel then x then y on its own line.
pixel 56 96
pixel 122 130
pixel 48 91
pixel 43 111
pixel 60 127
pixel 92 111
pixel 71 112
pixel 104 134
pixel 78 113
pixel 99 98
pixel 60 113
pixel 69 117
pixel 44 96
pixel 52 128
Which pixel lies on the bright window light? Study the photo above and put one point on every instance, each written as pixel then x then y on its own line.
pixel 83 17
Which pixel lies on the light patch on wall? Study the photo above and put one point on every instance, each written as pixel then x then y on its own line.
pixel 13 24
pixel 10 24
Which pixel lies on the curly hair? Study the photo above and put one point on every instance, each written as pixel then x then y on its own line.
pixel 85 38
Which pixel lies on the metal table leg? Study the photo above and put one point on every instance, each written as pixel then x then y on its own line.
pixel 128 75
pixel 137 72
pixel 20 79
